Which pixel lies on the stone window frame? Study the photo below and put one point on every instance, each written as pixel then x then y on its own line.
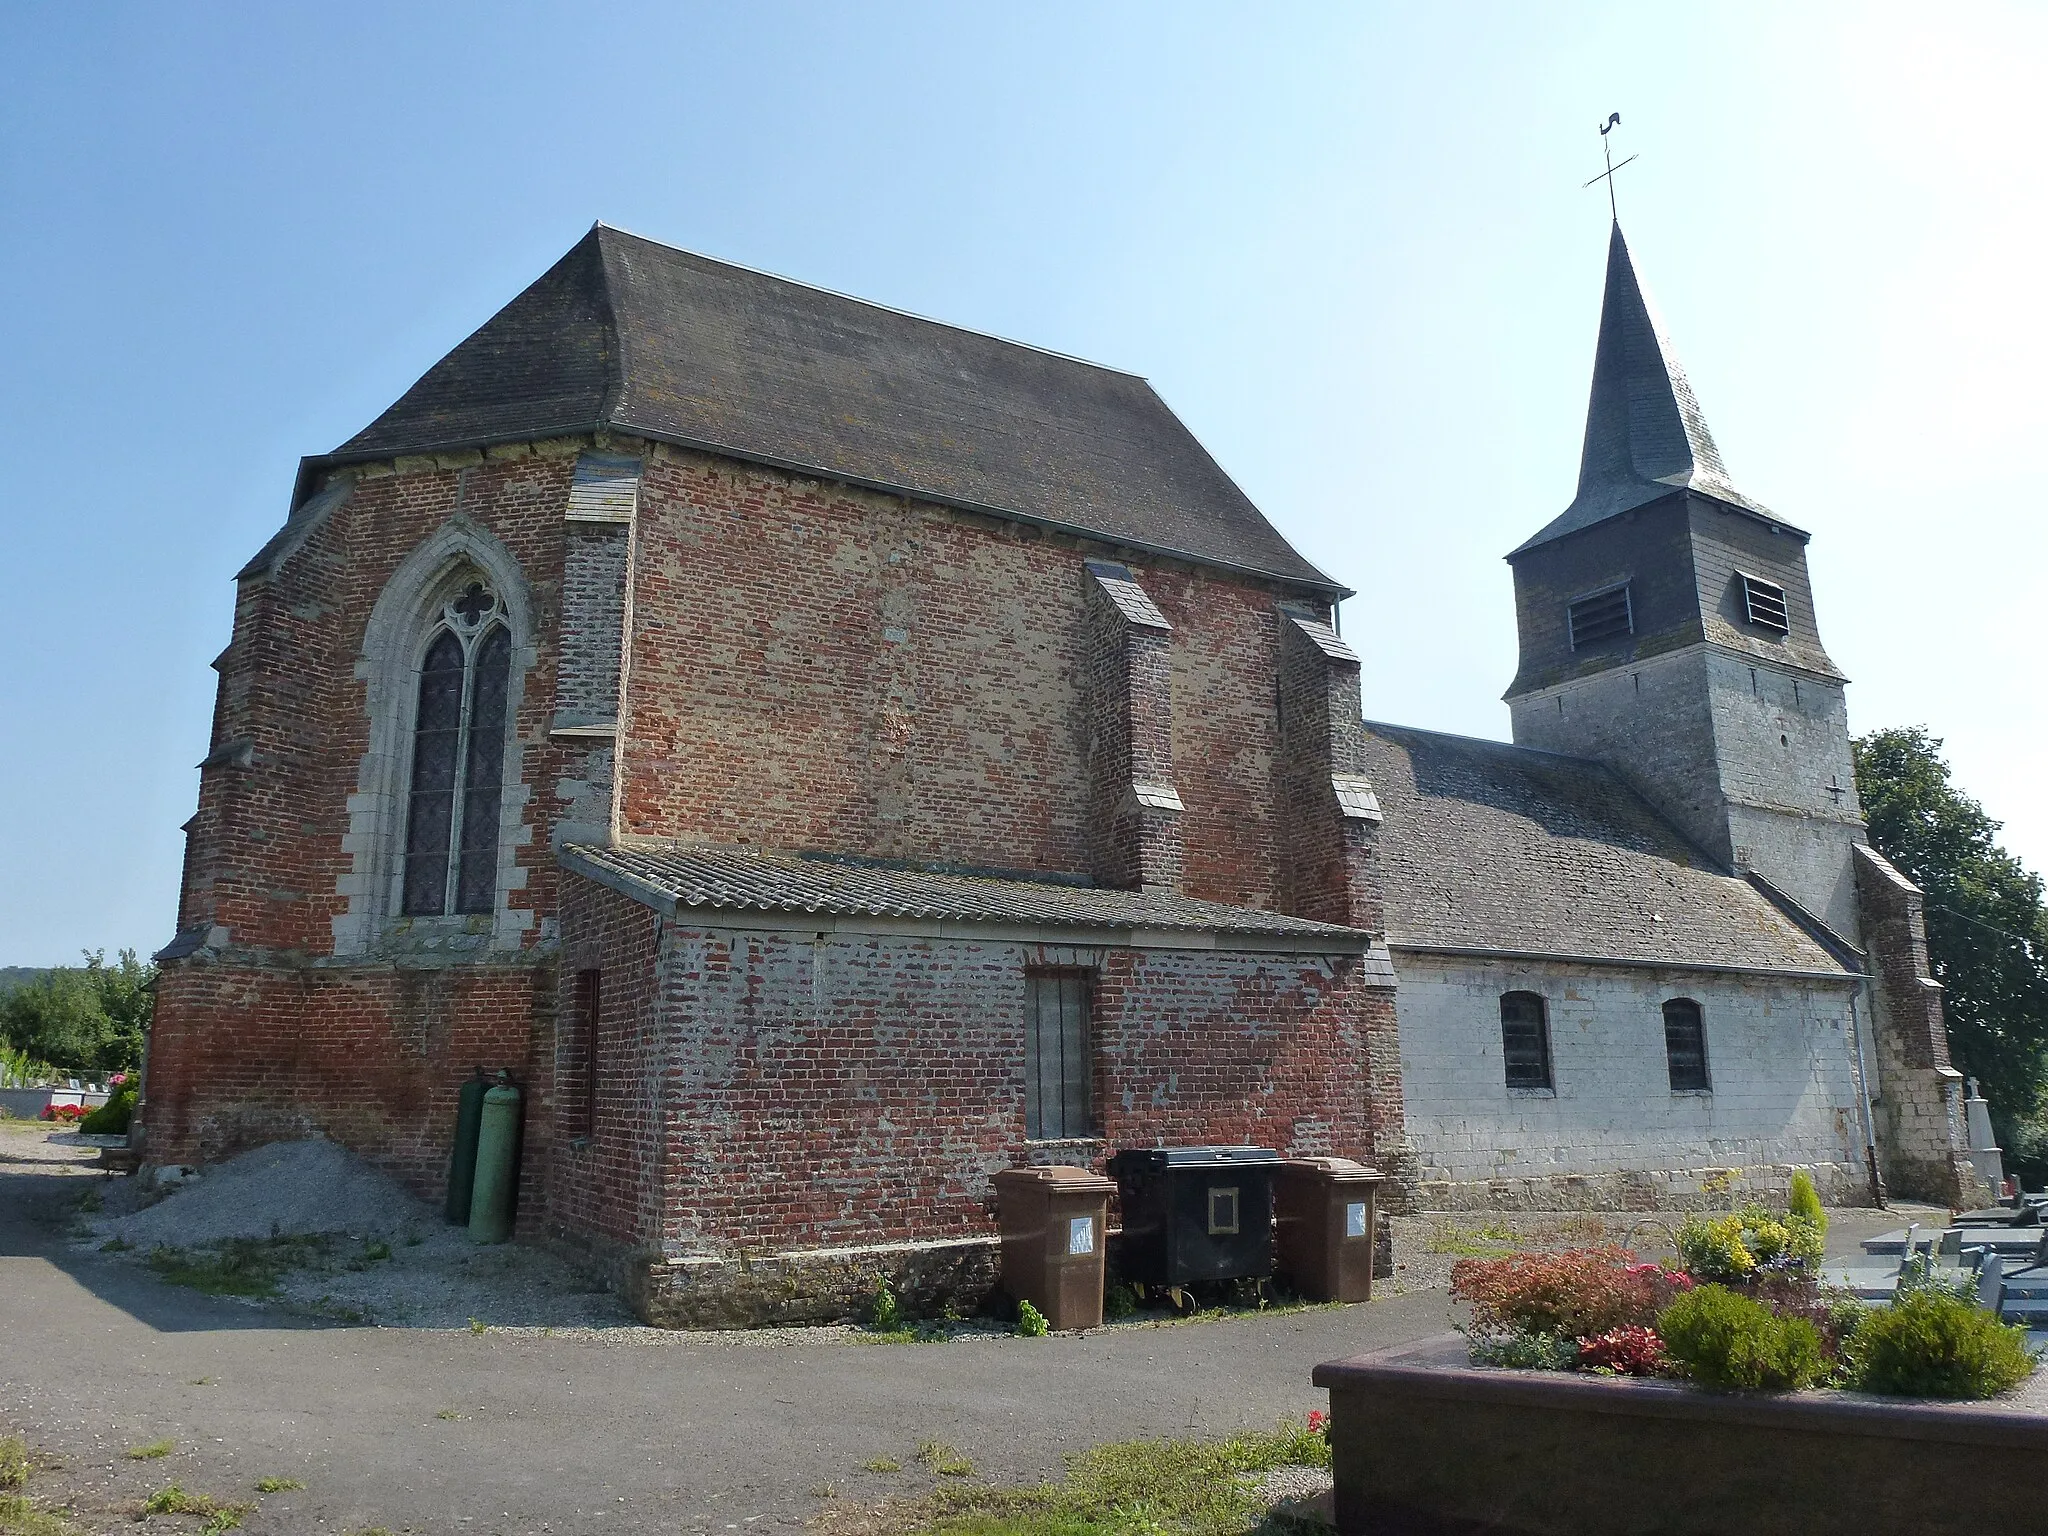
pixel 472 638
pixel 1548 1087
pixel 401 625
pixel 1698 1022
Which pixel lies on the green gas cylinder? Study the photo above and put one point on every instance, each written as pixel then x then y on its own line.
pixel 497 1165
pixel 469 1119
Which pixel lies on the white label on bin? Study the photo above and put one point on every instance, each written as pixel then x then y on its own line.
pixel 1081 1234
pixel 1354 1219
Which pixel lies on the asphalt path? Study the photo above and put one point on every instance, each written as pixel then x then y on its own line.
pixel 612 1430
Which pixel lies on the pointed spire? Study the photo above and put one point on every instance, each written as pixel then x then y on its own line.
pixel 1645 433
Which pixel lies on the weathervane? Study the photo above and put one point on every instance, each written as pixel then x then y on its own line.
pixel 1607 149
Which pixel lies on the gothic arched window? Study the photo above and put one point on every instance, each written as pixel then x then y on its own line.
pixel 458 759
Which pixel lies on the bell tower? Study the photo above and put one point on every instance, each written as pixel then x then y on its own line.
pixel 1667 628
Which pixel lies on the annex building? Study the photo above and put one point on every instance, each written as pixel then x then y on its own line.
pixel 829 757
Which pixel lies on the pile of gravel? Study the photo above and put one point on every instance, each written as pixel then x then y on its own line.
pixel 287 1189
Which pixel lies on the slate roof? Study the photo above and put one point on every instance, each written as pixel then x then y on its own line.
pixel 1491 846
pixel 638 337
pixel 1646 435
pixel 741 880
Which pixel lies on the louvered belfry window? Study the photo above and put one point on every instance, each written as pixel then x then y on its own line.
pixel 1057 1064
pixel 1685 1045
pixel 1525 1040
pixel 1763 604
pixel 1602 616
pixel 458 760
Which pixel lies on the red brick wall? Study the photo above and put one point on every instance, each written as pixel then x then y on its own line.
pixel 864 1090
pixel 265 850
pixel 371 1058
pixel 816 667
pixel 609 1180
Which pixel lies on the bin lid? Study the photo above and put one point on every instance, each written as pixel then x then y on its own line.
pixel 1156 1159
pixel 1056 1178
pixel 1338 1170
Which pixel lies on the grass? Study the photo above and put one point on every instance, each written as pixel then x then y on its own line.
pixel 1129 1488
pixel 277 1484
pixel 478 1325
pixel 883 1464
pixel 241 1266
pixel 173 1499
pixel 19 1517
pixel 1489 1241
pixel 447 1413
pixel 942 1460
pixel 156 1450
pixel 14 1463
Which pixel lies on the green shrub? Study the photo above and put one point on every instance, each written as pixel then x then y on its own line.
pixel 1727 1341
pixel 112 1117
pixel 1118 1300
pixel 1030 1322
pixel 1926 1344
pixel 1518 1349
pixel 1747 1242
pixel 1804 1202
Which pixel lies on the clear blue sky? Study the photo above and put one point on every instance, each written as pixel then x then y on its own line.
pixel 1348 243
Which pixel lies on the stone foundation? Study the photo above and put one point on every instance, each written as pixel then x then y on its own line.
pixel 1679 1189
pixel 818 1285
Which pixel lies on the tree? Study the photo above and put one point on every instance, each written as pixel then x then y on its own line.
pixel 83 1019
pixel 1987 931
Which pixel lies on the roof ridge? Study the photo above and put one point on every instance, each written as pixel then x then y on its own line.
pixel 1490 741
pixel 854 298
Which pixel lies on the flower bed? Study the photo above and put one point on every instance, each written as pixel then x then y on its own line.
pixel 1703 1423
pixel 1422 1441
pixel 1744 1314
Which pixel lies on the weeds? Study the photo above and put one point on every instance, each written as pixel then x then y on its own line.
pixel 18 1517
pixel 942 1460
pixel 1131 1488
pixel 479 1326
pixel 14 1463
pixel 278 1484
pixel 449 1414
pixel 883 1464
pixel 220 1515
pixel 1031 1322
pixel 116 1245
pixel 241 1266
pixel 156 1450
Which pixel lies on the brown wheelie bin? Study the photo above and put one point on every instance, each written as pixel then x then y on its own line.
pixel 1054 1222
pixel 1326 1223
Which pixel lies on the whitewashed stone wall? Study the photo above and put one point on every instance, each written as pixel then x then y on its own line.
pixel 1613 1135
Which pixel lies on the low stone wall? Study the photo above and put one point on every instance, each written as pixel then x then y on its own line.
pixel 1424 1444
pixel 1677 1189
pixel 820 1285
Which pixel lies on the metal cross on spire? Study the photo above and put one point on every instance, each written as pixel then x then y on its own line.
pixel 1607 149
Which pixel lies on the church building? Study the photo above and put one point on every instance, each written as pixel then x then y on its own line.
pixel 827 757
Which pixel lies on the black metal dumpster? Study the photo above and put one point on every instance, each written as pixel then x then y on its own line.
pixel 1195 1213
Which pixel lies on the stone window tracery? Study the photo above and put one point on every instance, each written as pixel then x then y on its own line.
pixel 458 756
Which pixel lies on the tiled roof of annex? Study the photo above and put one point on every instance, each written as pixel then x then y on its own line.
pixel 730 880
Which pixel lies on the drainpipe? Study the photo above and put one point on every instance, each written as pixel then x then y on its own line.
pixel 1863 1102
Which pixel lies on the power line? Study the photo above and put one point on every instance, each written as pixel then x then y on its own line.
pixel 2018 938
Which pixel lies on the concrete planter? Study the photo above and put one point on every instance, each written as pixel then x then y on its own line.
pixel 1425 1443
